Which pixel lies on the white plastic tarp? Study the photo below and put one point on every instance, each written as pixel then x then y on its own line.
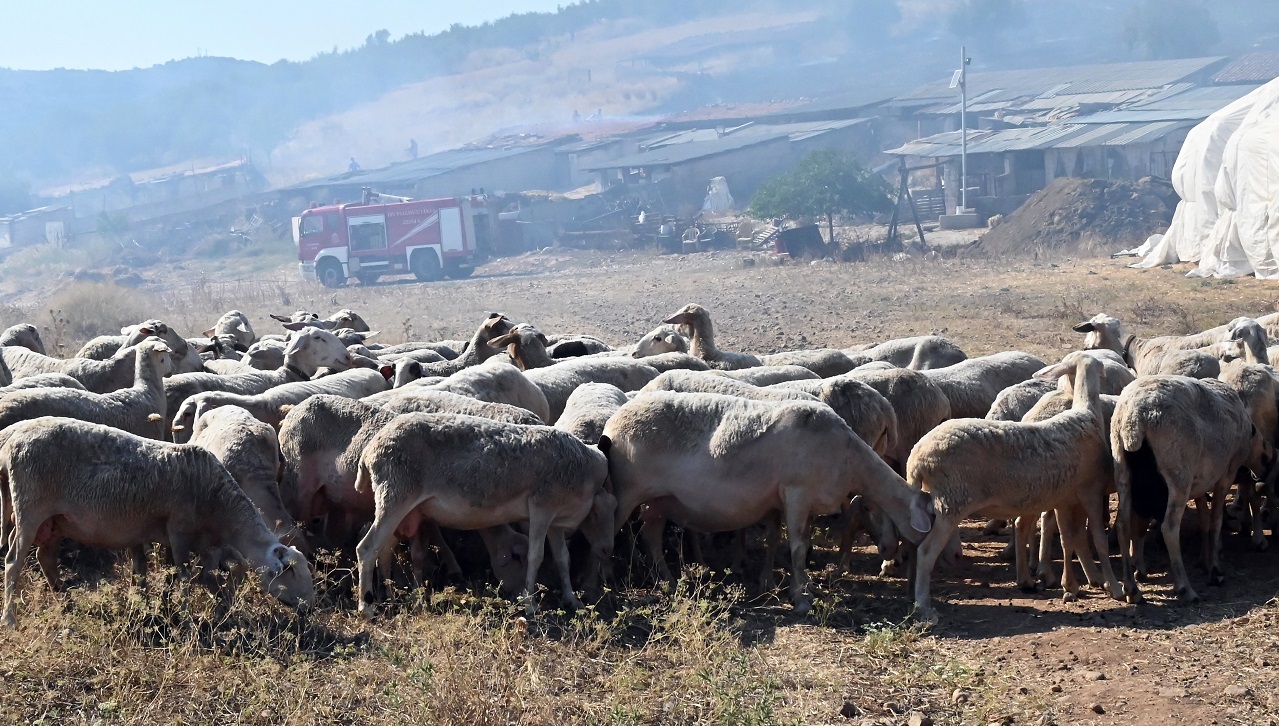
pixel 718 199
pixel 1227 176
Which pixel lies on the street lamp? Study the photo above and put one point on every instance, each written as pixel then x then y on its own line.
pixel 960 79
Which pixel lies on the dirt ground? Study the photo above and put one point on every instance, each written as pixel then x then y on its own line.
pixel 998 655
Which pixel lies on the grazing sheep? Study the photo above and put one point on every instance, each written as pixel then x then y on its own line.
pixel 673 361
pixel 98 376
pixel 864 409
pixel 695 322
pixel 306 353
pixel 223 367
pixel 43 380
pixel 444 349
pixel 699 382
pixel 250 451
pixel 576 345
pixel 767 375
pixel 1190 363
pixel 558 382
pixel 825 362
pixel 106 488
pixel 589 408
pixel 968 467
pixel 493 381
pixel 219 347
pixel 235 324
pixel 920 353
pixel 422 400
pixel 465 472
pixel 719 463
pixel 918 403
pixel 1174 439
pixel 24 335
pixel 268 406
pixel 1258 388
pixel 662 339
pixel 138 410
pixel 1146 356
pixel 1014 401
pixel 321 440
pixel 972 385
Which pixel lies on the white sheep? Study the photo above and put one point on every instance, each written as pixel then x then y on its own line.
pixel 102 376
pixel 25 335
pixel 235 324
pixel 695 321
pixel 102 487
pixel 976 467
pixel 588 409
pixel 138 409
pixel 466 472
pixel 972 385
pixel 917 402
pixel 919 353
pixel 767 375
pixel 1174 439
pixel 250 451
pixel 719 463
pixel 185 358
pixel 268 406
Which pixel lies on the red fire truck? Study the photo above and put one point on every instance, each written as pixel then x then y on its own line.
pixel 388 235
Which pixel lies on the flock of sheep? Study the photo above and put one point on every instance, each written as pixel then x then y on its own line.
pixel 246 453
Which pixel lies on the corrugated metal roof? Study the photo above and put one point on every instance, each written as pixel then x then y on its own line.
pixel 683 146
pixel 409 172
pixel 1062 136
pixel 1190 104
pixel 1252 68
pixel 1069 80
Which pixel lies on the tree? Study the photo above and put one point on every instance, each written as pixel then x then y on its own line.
pixel 824 183
pixel 1170 28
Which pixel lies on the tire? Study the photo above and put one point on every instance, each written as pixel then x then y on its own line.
pixel 426 266
pixel 368 278
pixel 460 272
pixel 329 273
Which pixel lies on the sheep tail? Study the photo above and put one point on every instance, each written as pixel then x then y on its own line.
pixel 363 479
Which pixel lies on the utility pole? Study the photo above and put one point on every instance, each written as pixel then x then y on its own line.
pixel 963 129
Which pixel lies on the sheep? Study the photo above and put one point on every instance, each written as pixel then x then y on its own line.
pixel 43 380
pixel 249 450
pixel 223 367
pixel 320 442
pixel 920 353
pixel 307 352
pixel 1174 439
pixel 972 385
pixel 185 359
pixel 662 339
pixel 219 347
pixel 698 382
pixel 493 381
pixel 968 467
pixel 557 379
pixel 919 404
pixel 444 349
pixel 235 324
pixel 722 463
pixel 767 375
pixel 1014 401
pixel 96 376
pixel 1258 388
pixel 864 409
pixel 421 400
pixel 25 335
pixel 108 488
pixel 1146 356
pixel 825 362
pixel 267 406
pixel 477 350
pixel 663 362
pixel 695 321
pixel 298 316
pixel 138 410
pixel 589 408
pixel 265 355
pixel 465 472
pixel 576 345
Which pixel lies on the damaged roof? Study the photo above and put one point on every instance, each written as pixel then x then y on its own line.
pixel 1062 136
pixel 677 147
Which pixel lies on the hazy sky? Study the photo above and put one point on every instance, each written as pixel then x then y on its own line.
pixel 117 34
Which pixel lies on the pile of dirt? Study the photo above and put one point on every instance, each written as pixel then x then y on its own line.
pixel 1085 215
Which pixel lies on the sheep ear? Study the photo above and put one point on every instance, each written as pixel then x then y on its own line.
pixel 1057 370
pixel 208 333
pixel 543 339
pixel 282 318
pixel 388 372
pixel 207 348
pixel 1084 327
pixel 604 445
pixel 370 334
pixel 677 319
pixel 502 341
pixel 298 326
pixel 146 331
pixel 921 512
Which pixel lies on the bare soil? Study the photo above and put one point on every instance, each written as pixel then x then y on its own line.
pixel 999 655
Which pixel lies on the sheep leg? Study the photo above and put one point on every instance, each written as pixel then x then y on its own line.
pixel 1044 567
pixel 559 553
pixel 22 539
pixel 1171 529
pixel 797 533
pixel 139 556
pixel 386 519
pixel 1070 524
pixel 926 557
pixel 1124 527
pixel 1203 510
pixel 1021 548
pixel 47 557
pixel 651 531
pixel 772 533
pixel 1097 511
pixel 419 553
pixel 850 522
pixel 436 538
pixel 1256 505
pixel 539 524
pixel 1213 535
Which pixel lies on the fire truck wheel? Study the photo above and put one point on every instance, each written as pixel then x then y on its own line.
pixel 329 272
pixel 426 266
pixel 459 272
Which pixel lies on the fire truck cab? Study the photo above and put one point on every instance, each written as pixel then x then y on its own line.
pixel 387 235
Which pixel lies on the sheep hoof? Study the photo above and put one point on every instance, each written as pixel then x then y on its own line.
pixel 1261 543
pixel 1186 595
pixel 888 569
pixel 1028 587
pixel 1216 577
pixel 1069 596
pixel 925 615
pixel 1132 595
